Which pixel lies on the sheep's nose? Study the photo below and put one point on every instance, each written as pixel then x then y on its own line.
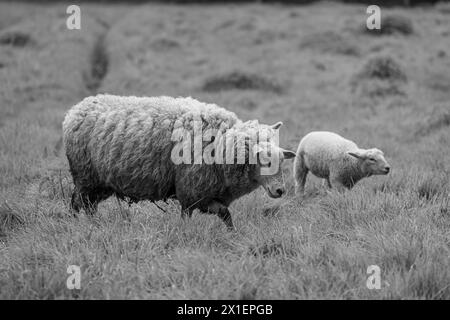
pixel 280 191
pixel 387 169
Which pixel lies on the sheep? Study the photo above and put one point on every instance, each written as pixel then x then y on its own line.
pixel 128 147
pixel 337 160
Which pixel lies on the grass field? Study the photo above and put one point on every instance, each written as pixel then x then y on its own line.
pixel 313 67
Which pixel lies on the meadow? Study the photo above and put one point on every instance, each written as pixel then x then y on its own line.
pixel 314 67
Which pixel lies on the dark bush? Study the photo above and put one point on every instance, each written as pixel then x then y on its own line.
pixel 393 24
pixel 241 81
pixel 329 42
pixel 15 39
pixel 380 76
pixel 382 67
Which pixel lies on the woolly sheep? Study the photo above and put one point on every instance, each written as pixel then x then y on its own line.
pixel 123 146
pixel 337 160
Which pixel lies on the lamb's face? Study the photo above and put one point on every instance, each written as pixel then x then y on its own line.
pixel 373 162
pixel 269 173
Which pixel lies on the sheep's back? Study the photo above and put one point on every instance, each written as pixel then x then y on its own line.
pixel 128 140
pixel 321 148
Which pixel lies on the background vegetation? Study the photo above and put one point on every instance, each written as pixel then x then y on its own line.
pixel 378 2
pixel 315 67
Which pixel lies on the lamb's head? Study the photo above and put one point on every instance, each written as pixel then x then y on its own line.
pixel 269 173
pixel 372 161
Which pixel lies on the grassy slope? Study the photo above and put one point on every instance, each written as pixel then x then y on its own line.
pixel 316 247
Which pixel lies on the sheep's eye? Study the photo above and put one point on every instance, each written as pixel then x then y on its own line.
pixel 372 159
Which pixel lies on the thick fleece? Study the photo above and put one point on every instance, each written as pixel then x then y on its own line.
pixel 122 146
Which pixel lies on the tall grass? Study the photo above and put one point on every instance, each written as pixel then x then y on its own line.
pixel 316 246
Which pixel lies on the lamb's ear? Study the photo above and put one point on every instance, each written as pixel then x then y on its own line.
pixel 357 154
pixel 288 154
pixel 277 125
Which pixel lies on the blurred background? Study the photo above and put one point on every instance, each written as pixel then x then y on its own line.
pixel 311 64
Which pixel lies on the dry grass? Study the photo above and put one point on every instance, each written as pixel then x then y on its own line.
pixel 317 246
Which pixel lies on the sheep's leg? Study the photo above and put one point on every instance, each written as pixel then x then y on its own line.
pixel 89 203
pixel 75 204
pixel 223 213
pixel 300 173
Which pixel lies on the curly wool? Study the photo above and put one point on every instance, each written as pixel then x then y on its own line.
pixel 122 146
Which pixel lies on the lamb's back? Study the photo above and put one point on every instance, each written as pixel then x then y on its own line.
pixel 320 148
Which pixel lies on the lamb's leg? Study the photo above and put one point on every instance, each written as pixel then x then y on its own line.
pixel 223 213
pixel 83 199
pixel 337 183
pixel 328 182
pixel 300 173
pixel 92 197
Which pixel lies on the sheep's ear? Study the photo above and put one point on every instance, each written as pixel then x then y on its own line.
pixel 277 125
pixel 288 154
pixel 357 154
pixel 257 149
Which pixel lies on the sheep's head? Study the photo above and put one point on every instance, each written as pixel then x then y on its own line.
pixel 269 173
pixel 372 161
pixel 256 146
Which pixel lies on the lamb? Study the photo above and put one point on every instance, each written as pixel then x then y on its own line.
pixel 125 146
pixel 337 160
